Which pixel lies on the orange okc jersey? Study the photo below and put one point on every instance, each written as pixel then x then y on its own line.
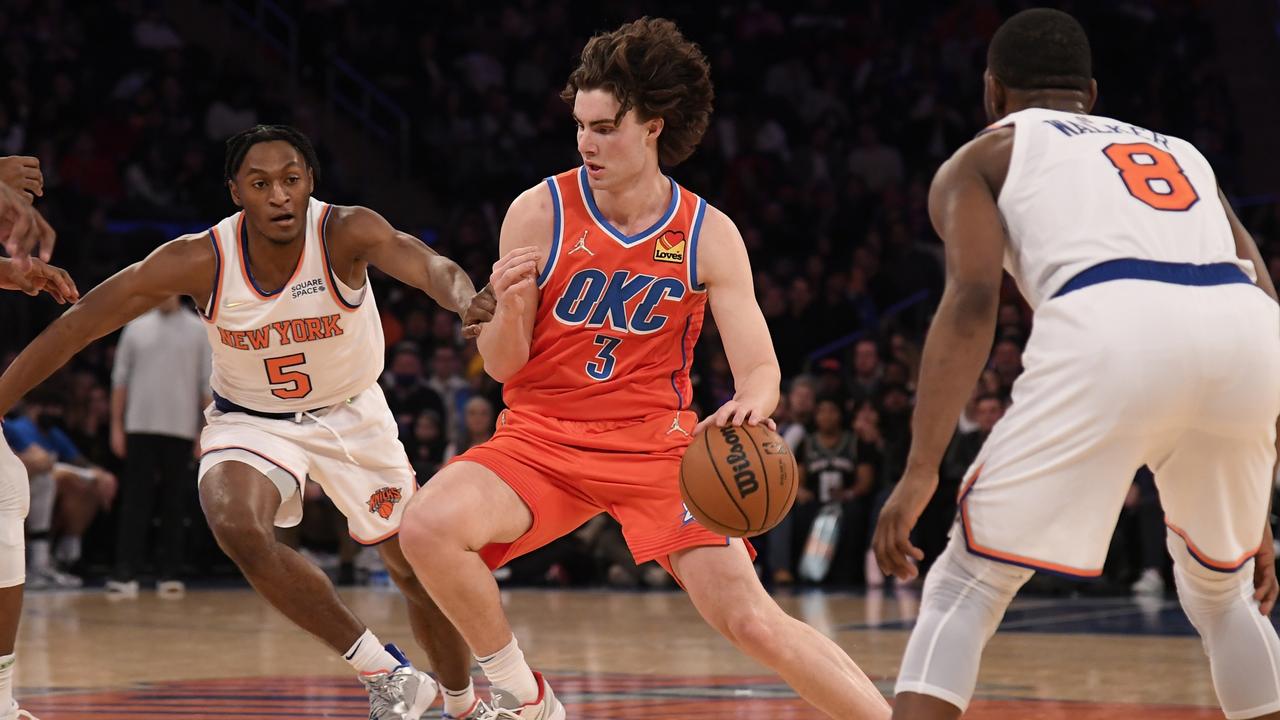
pixel 618 316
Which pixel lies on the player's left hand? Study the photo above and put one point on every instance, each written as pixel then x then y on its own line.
pixel 33 276
pixel 478 311
pixel 892 542
pixel 1265 587
pixel 736 412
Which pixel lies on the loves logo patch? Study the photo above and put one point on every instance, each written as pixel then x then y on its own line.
pixel 669 247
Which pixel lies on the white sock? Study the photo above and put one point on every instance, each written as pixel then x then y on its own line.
pixel 458 702
pixel 68 551
pixel 368 656
pixel 6 681
pixel 506 669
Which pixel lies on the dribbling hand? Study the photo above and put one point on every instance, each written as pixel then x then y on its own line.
pixel 736 412
pixel 514 273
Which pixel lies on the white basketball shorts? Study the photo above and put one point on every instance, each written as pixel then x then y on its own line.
pixel 1183 379
pixel 350 449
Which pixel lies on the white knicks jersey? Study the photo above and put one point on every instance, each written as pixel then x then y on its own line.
pixel 313 343
pixel 1083 189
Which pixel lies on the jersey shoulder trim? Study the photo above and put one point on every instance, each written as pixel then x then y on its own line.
pixel 557 210
pixel 210 312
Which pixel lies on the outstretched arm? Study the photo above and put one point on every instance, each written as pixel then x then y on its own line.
pixel 962 205
pixel 181 267
pixel 725 270
pixel 412 262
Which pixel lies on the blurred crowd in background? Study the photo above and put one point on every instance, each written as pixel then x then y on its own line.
pixel 828 126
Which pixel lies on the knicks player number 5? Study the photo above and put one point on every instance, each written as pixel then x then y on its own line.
pixel 296 384
pixel 1152 175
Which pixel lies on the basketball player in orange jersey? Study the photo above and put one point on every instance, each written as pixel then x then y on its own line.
pixel 604 276
pixel 297 350
pixel 22 230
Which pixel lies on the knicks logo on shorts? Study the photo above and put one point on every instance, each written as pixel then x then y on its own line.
pixel 383 501
pixel 669 247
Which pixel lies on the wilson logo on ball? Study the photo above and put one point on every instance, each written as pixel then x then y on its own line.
pixel 743 476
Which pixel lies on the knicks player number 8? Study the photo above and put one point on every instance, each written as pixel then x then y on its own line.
pixel 297 384
pixel 1152 175
pixel 601 366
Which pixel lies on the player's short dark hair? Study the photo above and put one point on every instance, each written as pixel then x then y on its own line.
pixel 651 68
pixel 238 146
pixel 1041 48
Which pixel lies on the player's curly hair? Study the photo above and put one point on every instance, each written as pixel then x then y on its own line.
pixel 651 68
pixel 238 146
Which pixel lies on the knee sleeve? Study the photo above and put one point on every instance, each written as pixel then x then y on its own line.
pixel 1243 649
pixel 13 570
pixel 40 515
pixel 965 597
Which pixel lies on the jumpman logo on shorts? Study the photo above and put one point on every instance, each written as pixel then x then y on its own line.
pixel 675 425
pixel 582 245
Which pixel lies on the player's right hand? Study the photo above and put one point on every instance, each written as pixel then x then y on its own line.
pixel 33 276
pixel 22 173
pixel 515 272
pixel 892 542
pixel 22 228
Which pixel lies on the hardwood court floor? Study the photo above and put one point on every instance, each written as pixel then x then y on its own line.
pixel 226 654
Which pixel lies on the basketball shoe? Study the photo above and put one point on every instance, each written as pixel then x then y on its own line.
pixel 403 693
pixel 544 707
pixel 477 712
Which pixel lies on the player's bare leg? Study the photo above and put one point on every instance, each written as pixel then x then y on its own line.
pixel 448 652
pixel 724 588
pixel 240 504
pixel 464 507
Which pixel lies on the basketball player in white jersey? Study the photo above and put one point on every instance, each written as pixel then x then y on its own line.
pixel 22 230
pixel 1156 342
pixel 297 349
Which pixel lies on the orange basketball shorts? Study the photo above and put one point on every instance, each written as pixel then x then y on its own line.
pixel 569 471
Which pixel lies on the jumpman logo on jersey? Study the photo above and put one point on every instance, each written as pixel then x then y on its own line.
pixel 675 426
pixel 582 245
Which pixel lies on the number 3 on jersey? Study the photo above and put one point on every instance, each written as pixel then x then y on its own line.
pixel 601 366
pixel 1152 175
pixel 298 384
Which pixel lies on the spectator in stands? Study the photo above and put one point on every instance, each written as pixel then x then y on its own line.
pixel 478 419
pixel 447 381
pixel 407 391
pixel 867 370
pixel 426 445
pixel 159 389
pixel 66 491
pixel 831 471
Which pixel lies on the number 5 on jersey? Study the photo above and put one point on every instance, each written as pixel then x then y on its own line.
pixel 601 366
pixel 297 384
pixel 1152 175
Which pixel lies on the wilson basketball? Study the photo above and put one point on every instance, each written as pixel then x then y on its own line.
pixel 738 481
